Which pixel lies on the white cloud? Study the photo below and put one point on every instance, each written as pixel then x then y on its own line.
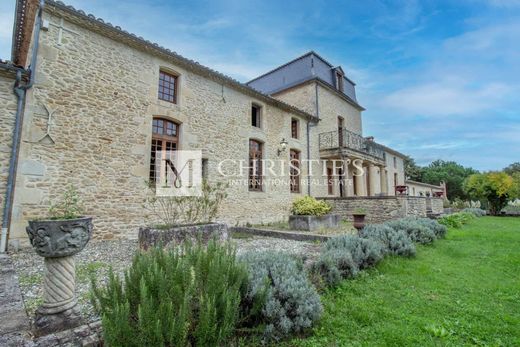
pixel 444 99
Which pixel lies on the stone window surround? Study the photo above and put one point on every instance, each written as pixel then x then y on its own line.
pixel 261 114
pixel 263 152
pixel 178 87
pixel 180 134
pixel 298 128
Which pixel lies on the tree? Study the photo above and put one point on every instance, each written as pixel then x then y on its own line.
pixel 450 172
pixel 496 187
pixel 412 170
pixel 513 168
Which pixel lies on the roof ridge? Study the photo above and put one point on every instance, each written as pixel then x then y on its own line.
pixel 283 65
pixel 183 60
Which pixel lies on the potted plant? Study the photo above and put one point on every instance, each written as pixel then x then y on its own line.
pixel 65 232
pixel 175 219
pixel 310 214
pixel 359 218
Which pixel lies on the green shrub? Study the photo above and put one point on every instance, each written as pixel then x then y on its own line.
pixel 364 252
pixel 438 229
pixel 333 265
pixel 291 301
pixel 186 296
pixel 477 212
pixel 309 206
pixel 456 220
pixel 395 242
pixel 415 230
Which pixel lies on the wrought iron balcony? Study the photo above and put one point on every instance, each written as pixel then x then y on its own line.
pixel 347 139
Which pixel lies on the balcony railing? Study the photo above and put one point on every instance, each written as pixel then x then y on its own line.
pixel 350 140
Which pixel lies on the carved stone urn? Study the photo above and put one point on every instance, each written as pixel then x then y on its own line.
pixel 57 241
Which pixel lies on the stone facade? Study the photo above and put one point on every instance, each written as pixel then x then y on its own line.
pixel 424 189
pixel 7 117
pixel 380 209
pixel 88 123
pixel 394 171
pixel 102 94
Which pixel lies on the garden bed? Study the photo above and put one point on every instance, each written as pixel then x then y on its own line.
pixel 98 256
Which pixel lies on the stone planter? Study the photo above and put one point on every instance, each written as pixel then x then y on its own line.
pixel 359 221
pixel 57 241
pixel 311 223
pixel 151 237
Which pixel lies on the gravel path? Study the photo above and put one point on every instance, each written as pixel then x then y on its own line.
pixel 98 256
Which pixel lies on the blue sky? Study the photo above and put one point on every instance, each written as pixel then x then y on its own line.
pixel 439 79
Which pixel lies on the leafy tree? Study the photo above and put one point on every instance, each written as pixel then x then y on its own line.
pixel 450 172
pixel 512 169
pixel 412 170
pixel 496 187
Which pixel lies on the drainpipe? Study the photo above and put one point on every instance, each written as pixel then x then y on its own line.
pixel 20 91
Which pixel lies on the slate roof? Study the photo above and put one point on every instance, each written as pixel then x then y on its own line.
pixel 308 67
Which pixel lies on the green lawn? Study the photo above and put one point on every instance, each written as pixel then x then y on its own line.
pixel 464 290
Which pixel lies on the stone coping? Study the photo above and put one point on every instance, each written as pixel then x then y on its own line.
pixel 288 235
pixel 385 197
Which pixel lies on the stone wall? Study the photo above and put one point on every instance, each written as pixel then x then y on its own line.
pixel 7 117
pixel 380 209
pixel 103 95
pixel 437 205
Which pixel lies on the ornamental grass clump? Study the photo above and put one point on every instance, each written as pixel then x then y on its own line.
pixel 414 229
pixel 365 252
pixel 394 242
pixel 188 296
pixel 291 304
pixel 309 206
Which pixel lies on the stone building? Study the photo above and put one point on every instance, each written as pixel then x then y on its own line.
pixel 98 101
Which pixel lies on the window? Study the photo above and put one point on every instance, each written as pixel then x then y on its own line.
pixel 339 81
pixel 395 163
pixel 167 87
pixel 341 125
pixel 330 181
pixel 256 115
pixel 294 170
pixel 295 127
pixel 165 138
pixel 255 165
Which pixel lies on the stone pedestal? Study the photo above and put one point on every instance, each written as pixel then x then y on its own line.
pixel 57 241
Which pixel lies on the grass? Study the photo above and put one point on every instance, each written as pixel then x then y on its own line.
pixel 461 291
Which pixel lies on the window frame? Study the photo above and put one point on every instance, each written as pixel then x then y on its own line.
pixel 295 127
pixel 160 89
pixel 295 179
pixel 162 140
pixel 339 81
pixel 255 154
pixel 259 115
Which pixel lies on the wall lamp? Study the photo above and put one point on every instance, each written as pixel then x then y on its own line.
pixel 283 146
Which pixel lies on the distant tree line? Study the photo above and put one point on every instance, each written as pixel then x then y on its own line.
pixel 495 188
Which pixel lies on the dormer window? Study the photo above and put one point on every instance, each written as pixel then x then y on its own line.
pixel 339 81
